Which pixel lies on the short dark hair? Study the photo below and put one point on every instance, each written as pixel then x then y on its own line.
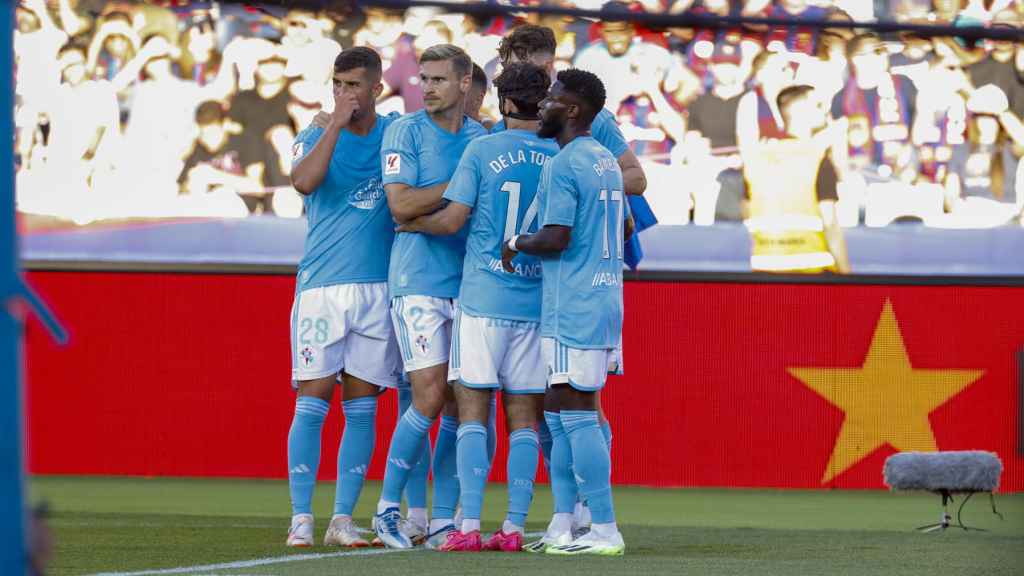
pixel 479 77
pixel 587 87
pixel 525 41
pixel 461 61
pixel 854 44
pixel 791 94
pixel 359 57
pixel 209 112
pixel 525 84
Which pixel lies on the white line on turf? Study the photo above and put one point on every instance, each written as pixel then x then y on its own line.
pixel 268 561
pixel 253 563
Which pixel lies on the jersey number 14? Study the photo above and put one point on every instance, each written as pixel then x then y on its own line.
pixel 514 190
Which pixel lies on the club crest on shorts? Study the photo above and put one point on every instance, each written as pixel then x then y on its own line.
pixel 307 356
pixel 392 164
pixel 423 343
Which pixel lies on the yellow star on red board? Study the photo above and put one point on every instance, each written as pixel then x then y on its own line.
pixel 885 401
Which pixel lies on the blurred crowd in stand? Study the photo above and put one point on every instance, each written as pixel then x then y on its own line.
pixel 150 109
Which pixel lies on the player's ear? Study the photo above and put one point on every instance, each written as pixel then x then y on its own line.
pixel 466 83
pixel 572 111
pixel 378 89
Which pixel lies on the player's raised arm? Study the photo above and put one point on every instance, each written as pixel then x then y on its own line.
pixel 356 86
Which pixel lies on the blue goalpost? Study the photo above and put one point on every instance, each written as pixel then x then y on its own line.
pixel 13 509
pixel 12 468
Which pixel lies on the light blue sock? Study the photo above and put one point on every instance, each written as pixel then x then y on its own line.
pixel 492 429
pixel 446 469
pixel 563 483
pixel 416 486
pixel 606 431
pixel 355 451
pixel 304 451
pixel 592 463
pixel 522 471
pixel 544 433
pixel 406 446
pixel 472 465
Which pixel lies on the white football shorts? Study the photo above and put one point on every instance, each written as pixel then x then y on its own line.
pixel 584 369
pixel 496 354
pixel 616 367
pixel 344 327
pixel 423 325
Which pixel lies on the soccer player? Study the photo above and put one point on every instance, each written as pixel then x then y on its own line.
pixel 340 318
pixel 537 44
pixel 419 156
pixel 496 344
pixel 581 240
pixel 477 93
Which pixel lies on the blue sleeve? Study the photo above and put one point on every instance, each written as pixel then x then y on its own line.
pixel 465 183
pixel 304 143
pixel 560 197
pixel 399 161
pixel 606 131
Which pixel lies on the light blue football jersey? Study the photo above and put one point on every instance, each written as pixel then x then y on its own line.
pixel 349 232
pixel 419 153
pixel 497 177
pixel 604 129
pixel 581 187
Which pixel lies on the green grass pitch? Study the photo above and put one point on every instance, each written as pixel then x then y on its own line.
pixel 188 526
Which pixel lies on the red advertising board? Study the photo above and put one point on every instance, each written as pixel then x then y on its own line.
pixel 727 384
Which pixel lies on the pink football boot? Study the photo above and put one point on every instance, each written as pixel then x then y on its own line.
pixel 459 542
pixel 502 542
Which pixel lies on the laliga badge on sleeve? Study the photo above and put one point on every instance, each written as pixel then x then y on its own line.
pixel 392 164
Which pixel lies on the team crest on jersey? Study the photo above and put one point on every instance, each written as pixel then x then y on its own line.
pixel 367 195
pixel 392 164
pixel 307 356
pixel 423 343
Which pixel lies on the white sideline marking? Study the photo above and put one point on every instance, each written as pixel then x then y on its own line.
pixel 255 562
pixel 268 561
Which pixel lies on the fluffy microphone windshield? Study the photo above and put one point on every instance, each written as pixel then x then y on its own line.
pixel 969 471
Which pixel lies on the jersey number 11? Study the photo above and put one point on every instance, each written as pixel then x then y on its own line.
pixel 616 196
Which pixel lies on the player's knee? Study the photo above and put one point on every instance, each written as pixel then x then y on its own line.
pixel 472 404
pixel 429 400
pixel 520 411
pixel 322 388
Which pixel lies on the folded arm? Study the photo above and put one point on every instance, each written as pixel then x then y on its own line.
pixel 407 202
pixel 444 222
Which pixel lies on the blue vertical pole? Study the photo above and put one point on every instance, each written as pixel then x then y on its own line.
pixel 12 480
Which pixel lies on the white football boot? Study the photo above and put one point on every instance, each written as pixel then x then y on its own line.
pixel 343 532
pixel 300 534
